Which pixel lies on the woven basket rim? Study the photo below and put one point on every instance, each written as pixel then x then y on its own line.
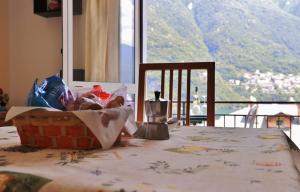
pixel 49 114
pixel 48 117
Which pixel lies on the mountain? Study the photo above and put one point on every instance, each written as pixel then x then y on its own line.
pixel 173 35
pixel 240 35
pixel 250 34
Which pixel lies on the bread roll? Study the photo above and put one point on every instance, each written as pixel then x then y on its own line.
pixel 117 102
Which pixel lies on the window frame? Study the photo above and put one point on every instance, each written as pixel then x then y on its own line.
pixel 68 51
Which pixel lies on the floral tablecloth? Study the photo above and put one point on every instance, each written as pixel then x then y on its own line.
pixel 194 159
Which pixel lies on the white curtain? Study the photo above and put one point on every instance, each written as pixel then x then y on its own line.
pixel 102 40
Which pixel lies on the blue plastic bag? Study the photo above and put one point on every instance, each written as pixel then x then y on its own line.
pixel 51 93
pixel 35 97
pixel 54 90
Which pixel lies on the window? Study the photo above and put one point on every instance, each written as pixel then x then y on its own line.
pixel 256 46
pixel 100 44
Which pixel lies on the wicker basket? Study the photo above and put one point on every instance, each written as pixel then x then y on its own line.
pixel 60 130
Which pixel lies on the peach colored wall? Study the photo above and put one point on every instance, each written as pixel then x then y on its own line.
pixel 4 46
pixel 34 51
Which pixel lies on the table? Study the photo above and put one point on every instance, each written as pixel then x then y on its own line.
pixel 194 159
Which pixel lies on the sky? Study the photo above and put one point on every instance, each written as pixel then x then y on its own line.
pixel 127 22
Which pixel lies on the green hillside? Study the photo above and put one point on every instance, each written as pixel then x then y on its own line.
pixel 173 37
pixel 177 38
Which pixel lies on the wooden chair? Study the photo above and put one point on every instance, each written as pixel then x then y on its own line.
pixel 163 67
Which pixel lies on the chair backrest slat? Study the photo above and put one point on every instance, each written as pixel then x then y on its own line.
pixel 162 87
pixel 179 94
pixel 141 94
pixel 163 67
pixel 171 94
pixel 188 96
pixel 211 95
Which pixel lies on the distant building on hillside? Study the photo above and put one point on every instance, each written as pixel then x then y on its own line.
pixel 280 120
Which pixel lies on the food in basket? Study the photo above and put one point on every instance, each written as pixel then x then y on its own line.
pixel 117 102
pixel 90 100
pixel 99 92
pixel 84 103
